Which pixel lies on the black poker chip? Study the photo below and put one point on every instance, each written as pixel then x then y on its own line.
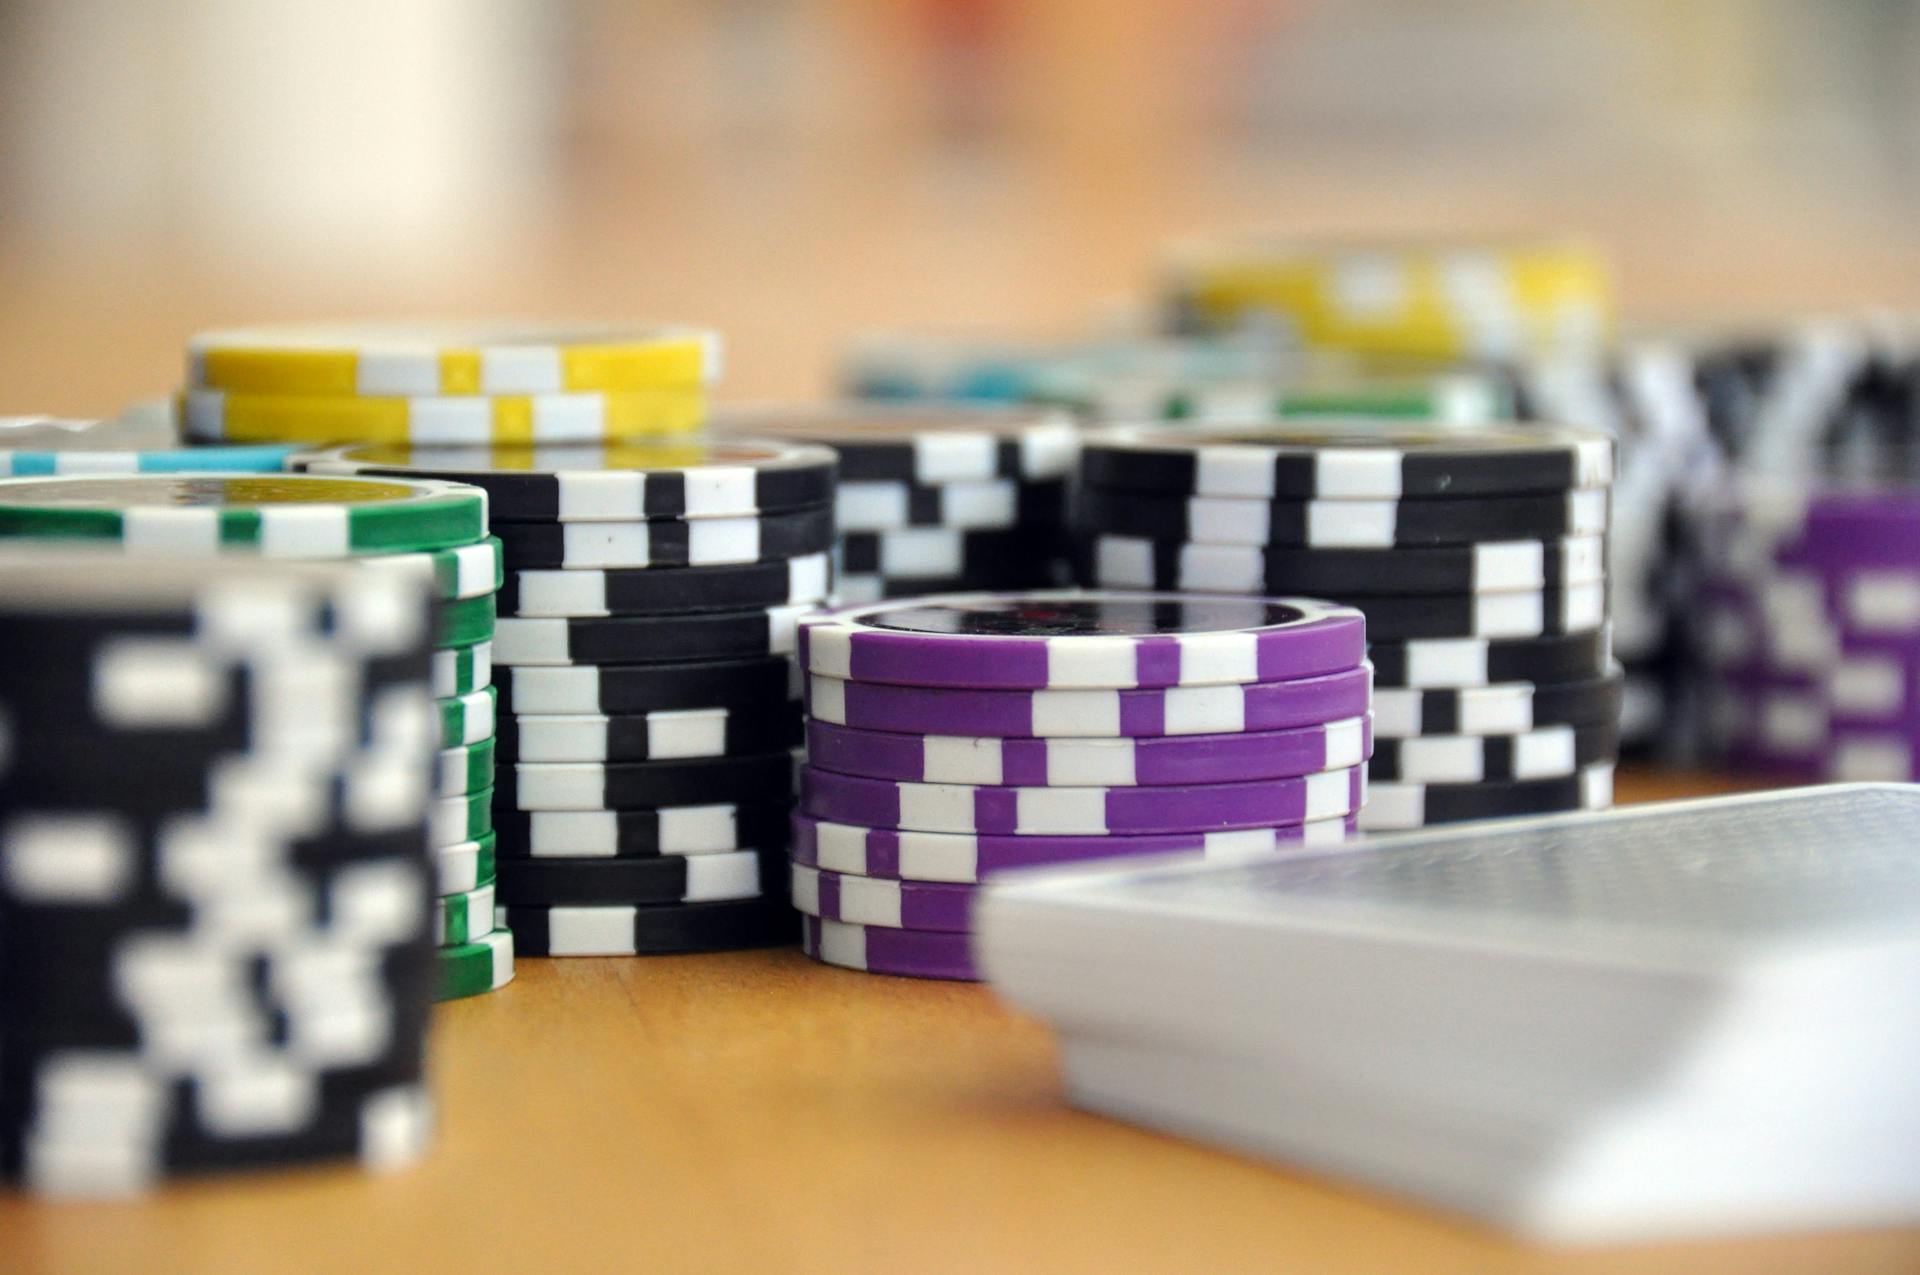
pixel 1332 524
pixel 665 542
pixel 689 878
pixel 1546 752
pixel 641 834
pixel 653 930
pixel 645 639
pixel 657 590
pixel 1440 663
pixel 554 786
pixel 1573 608
pixel 1139 562
pixel 671 734
pixel 624 689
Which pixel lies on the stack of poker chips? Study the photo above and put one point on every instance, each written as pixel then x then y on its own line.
pixel 937 499
pixel 1808 628
pixel 215 887
pixel 645 649
pixel 1478 559
pixel 431 532
pixel 955 736
pixel 447 385
pixel 1440 301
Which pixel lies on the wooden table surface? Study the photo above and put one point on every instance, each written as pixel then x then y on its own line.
pixel 753 1111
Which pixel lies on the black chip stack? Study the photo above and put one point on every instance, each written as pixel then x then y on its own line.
pixel 215 883
pixel 1479 560
pixel 937 499
pixel 648 702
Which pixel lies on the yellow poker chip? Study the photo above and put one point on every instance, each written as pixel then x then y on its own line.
pixel 385 361
pixel 500 420
pixel 1427 301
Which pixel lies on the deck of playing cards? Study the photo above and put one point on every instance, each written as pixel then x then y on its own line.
pixel 1680 1019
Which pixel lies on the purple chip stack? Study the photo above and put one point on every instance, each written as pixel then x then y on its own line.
pixel 954 736
pixel 1810 637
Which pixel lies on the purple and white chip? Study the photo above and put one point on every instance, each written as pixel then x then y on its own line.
pixel 1076 763
pixel 912 905
pixel 853 850
pixel 879 950
pixel 1093 714
pixel 881 803
pixel 1066 639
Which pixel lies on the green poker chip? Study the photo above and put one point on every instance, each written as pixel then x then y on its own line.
pixel 465 769
pixel 466 865
pixel 461 918
pixel 473 969
pixel 277 515
pixel 467 817
pixel 466 571
pixel 467 719
pixel 464 622
pixel 461 670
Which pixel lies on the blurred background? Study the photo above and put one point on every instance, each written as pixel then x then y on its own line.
pixel 792 171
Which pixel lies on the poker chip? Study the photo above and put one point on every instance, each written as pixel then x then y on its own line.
pixel 638 689
pixel 1135 562
pixel 937 498
pixel 662 735
pixel 463 770
pixel 538 786
pixel 641 639
pixel 464 623
pixel 463 917
pixel 1444 301
pixel 1341 524
pixel 475 968
pixel 1427 663
pixel 1505 708
pixel 690 878
pixel 1574 608
pixel 652 930
pixel 85 452
pixel 216 777
pixel 375 359
pixel 874 901
pixel 853 850
pixel 1546 752
pixel 1393 806
pixel 624 481
pixel 1074 763
pixel 626 834
pixel 467 719
pixel 468 571
pixel 278 516
pixel 1396 462
pixel 990 504
pixel 466 817
pixel 462 670
pixel 442 420
pixel 924 445
pixel 880 803
pixel 1179 710
pixel 579 592
pixel 464 866
pixel 881 950
pixel 665 542
pixel 1063 640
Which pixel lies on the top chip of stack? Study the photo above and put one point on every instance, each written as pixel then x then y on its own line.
pixel 937 499
pixel 1478 559
pixel 44 446
pixel 1440 301
pixel 448 385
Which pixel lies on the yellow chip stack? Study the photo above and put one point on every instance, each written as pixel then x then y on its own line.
pixel 448 385
pixel 1446 302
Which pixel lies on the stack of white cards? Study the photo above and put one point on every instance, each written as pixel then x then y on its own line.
pixel 1679 1019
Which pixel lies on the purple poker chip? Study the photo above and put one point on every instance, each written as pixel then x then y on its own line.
pixel 1070 639
pixel 879 950
pixel 1075 763
pixel 853 850
pixel 893 905
pixel 1092 714
pixel 882 803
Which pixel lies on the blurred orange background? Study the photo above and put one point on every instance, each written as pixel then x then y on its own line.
pixel 794 171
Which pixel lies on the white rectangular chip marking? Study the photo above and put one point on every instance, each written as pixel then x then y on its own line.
pixel 842 944
pixel 170 531
pixel 600 495
pixel 870 506
pixel 806 889
pixel 1868 686
pixel 960 759
pixel 926 856
pixel 1392 807
pixel 1884 602
pixel 1351 524
pixel 1234 471
pixel 1510 565
pixel 396 372
pixel 1076 713
pixel 1369 473
pixel 1329 793
pixel 1345 743
pixel 143 682
pixel 1062 811
pixel 714 877
pixel 1544 754
pixel 1091 662
pixel 1205 710
pixel 936 807
pixel 529 369
pixel 1871 759
pixel 697 829
pixel 841 847
pixel 686 732
pixel 1218 657
pixel 595 931
pixel 830 650
pixel 450 422
pixel 945 458
pixel 1446 662
pixel 869 901
pixel 66 858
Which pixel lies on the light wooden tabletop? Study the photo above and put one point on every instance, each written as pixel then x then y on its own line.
pixel 753 1111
